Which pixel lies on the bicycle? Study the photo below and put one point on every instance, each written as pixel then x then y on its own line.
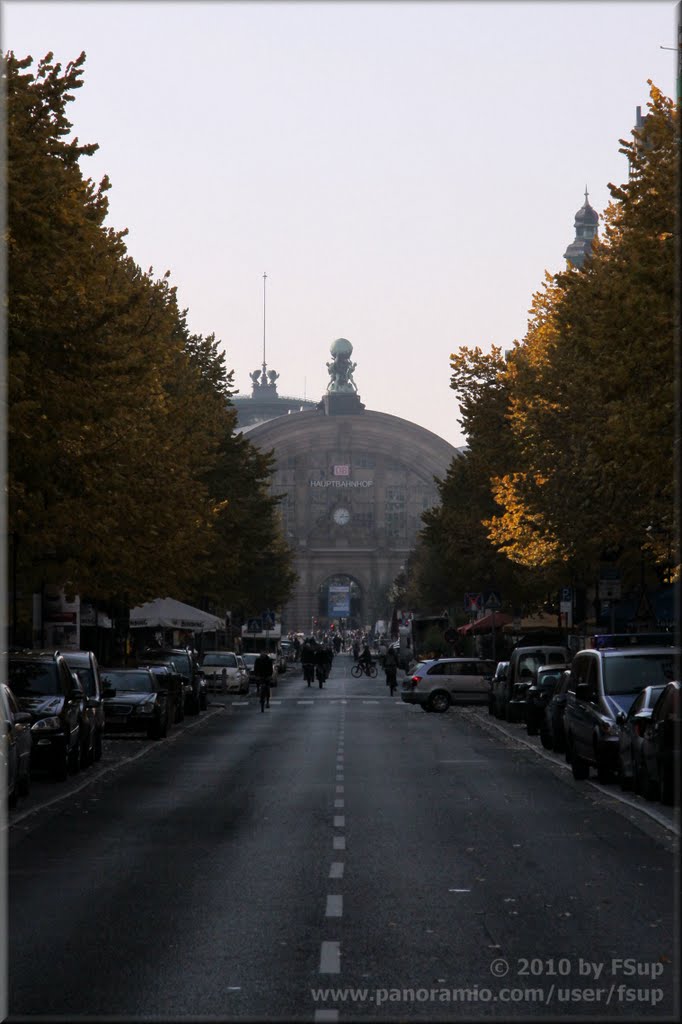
pixel 264 694
pixel 368 670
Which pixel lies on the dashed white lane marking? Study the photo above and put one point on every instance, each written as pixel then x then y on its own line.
pixel 334 906
pixel 330 958
pixel 340 789
pixel 336 870
pixel 339 821
pixel 339 777
pixel 370 702
pixel 339 803
pixel 459 890
pixel 339 843
pixel 305 701
pixel 326 1015
pixel 240 703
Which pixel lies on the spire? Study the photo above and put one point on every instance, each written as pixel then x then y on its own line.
pixel 264 382
pixel 586 221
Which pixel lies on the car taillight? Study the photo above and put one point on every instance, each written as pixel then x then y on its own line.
pixel 416 679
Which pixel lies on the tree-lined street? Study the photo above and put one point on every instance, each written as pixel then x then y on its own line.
pixel 344 841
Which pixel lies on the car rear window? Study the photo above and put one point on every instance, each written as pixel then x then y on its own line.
pixel 34 678
pixel 632 672
pixel 129 682
pixel 219 661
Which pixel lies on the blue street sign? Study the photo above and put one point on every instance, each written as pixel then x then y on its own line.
pixel 254 626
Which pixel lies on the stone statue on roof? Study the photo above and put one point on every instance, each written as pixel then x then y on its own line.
pixel 341 368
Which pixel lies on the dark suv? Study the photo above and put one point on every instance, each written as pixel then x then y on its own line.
pixel 603 683
pixel 187 665
pixel 46 687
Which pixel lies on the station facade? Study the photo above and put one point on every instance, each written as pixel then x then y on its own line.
pixel 353 485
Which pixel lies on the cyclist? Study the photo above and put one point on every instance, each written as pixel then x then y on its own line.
pixel 365 659
pixel 262 669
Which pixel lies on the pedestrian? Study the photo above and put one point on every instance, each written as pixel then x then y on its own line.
pixel 391 668
pixel 321 664
pixel 262 669
pixel 308 661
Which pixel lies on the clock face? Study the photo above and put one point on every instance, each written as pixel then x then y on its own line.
pixel 341 516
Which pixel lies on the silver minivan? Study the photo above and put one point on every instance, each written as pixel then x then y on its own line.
pixel 438 683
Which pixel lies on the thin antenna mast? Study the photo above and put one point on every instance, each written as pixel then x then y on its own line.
pixel 264 363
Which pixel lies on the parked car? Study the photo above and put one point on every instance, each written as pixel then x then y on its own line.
pixel 552 726
pixel 604 682
pixel 187 665
pixel 539 693
pixel 135 701
pixel 84 664
pixel 17 743
pixel 632 726
pixel 171 681
pixel 659 768
pixel 523 664
pixel 223 672
pixel 45 686
pixel 440 682
pixel 498 680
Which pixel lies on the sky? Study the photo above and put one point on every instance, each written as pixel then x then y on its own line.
pixel 404 173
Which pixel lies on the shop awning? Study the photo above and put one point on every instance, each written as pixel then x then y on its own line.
pixel 486 623
pixel 166 613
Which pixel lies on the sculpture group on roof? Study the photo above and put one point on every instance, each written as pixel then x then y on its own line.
pixel 341 368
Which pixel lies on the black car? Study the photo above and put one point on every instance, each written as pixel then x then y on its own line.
pixel 45 686
pixel 659 769
pixel 496 684
pixel 135 701
pixel 17 743
pixel 539 693
pixel 552 733
pixel 187 665
pixel 632 728
pixel 171 680
pixel 85 666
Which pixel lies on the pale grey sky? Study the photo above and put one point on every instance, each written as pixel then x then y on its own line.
pixel 405 173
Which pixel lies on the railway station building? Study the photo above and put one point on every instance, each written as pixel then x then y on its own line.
pixel 353 484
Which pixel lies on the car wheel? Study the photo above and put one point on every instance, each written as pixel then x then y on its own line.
pixel 546 737
pixel 491 707
pixel 60 767
pixel 439 701
pixel 74 759
pixel 24 784
pixel 648 788
pixel 579 765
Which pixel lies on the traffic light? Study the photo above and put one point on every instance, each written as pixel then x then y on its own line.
pixel 332 627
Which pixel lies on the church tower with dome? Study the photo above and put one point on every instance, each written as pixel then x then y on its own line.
pixel 586 221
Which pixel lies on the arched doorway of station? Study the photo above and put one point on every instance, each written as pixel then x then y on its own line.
pixel 340 600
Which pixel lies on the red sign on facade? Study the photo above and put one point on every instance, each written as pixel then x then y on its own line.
pixel 341 470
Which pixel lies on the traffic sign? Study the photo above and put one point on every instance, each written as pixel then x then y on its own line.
pixel 493 601
pixel 254 626
pixel 473 602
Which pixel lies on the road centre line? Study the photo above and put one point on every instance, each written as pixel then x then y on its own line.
pixel 339 789
pixel 339 803
pixel 334 906
pixel 339 843
pixel 337 869
pixel 330 958
pixel 339 821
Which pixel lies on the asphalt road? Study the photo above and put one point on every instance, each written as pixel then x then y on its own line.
pixel 340 856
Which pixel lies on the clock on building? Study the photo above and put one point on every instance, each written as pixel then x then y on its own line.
pixel 341 516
